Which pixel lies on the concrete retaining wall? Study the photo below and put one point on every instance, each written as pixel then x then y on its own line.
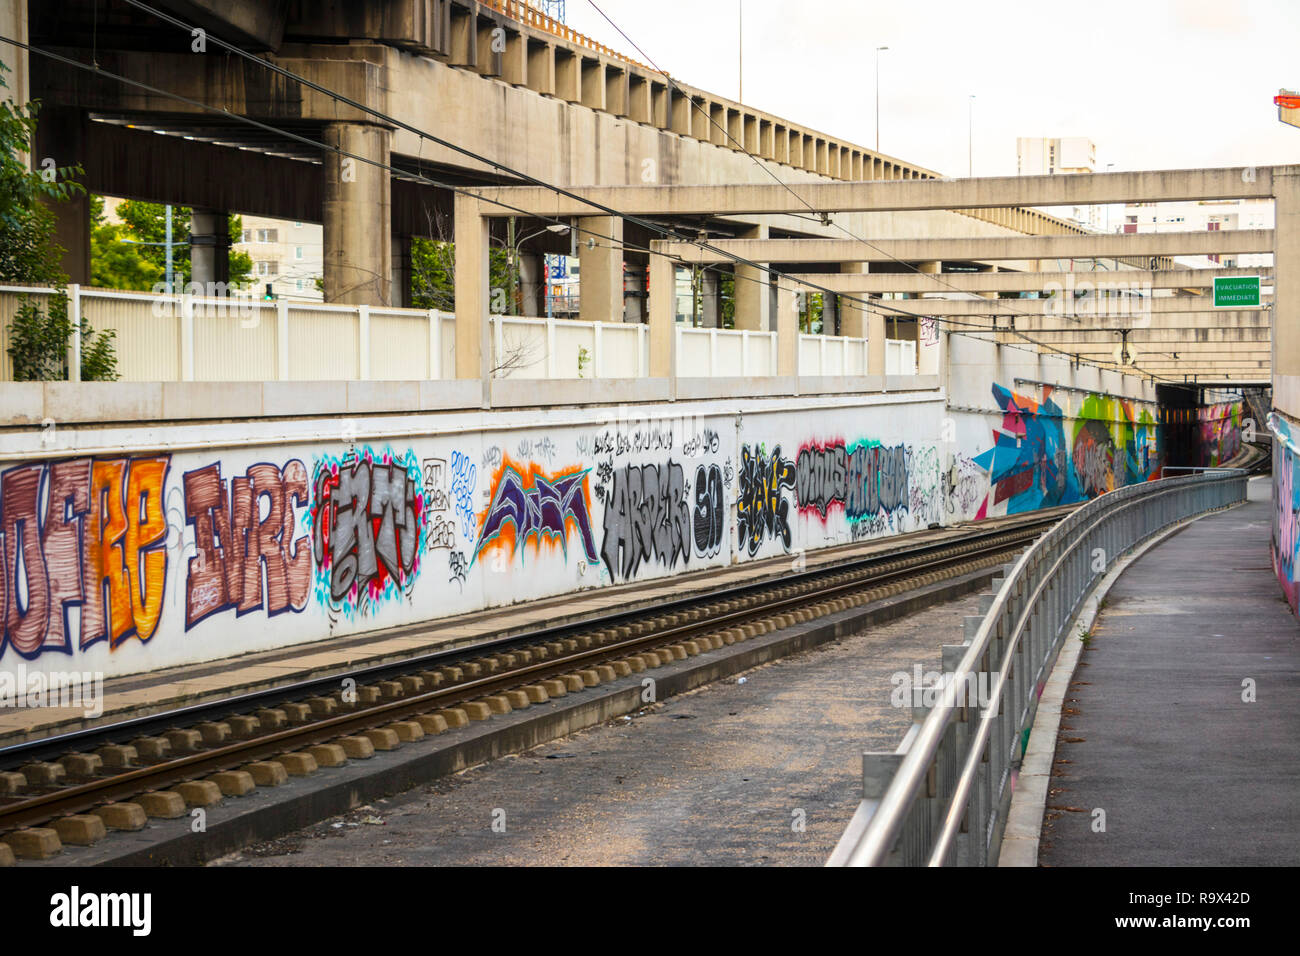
pixel 127 549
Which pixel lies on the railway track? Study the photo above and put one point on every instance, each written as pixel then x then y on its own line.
pixel 71 788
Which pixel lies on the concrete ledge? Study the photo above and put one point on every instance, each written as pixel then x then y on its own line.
pixel 23 403
pixel 103 401
pixel 521 392
pixel 269 813
pixel 186 400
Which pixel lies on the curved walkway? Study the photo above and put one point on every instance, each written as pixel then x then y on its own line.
pixel 1156 732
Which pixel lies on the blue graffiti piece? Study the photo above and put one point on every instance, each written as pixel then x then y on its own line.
pixel 540 511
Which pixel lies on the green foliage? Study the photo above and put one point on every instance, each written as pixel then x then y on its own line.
pixel 147 222
pixel 38 336
pixel 433 270
pixel 115 264
pixel 38 344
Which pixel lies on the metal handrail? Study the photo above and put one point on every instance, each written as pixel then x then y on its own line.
pixel 1023 631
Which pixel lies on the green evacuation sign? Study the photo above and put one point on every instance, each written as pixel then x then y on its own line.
pixel 1235 291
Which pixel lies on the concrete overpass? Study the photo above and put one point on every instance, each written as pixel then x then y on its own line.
pixel 525 97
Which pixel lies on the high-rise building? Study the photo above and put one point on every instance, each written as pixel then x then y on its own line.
pixel 1038 156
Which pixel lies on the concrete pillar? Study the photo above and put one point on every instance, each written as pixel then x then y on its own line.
pixel 473 350
pixel 541 67
pixel 787 328
pixel 401 294
pixel 61 137
pixel 593 84
pixel 600 268
pixel 532 283
pixel 1286 296
pixel 568 76
pixel 753 304
pixel 640 109
pixel 13 23
pixel 989 269
pixel 710 299
pixel 663 316
pixel 929 355
pixel 357 216
pixel 617 89
pixel 464 37
pixel 514 63
pixel 681 113
pixel 830 314
pixel 853 317
pixel 634 290
pixel 210 249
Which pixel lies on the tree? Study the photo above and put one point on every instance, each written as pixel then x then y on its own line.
pixel 38 336
pixel 115 264
pixel 147 222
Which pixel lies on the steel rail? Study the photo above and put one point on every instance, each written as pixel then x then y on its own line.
pixel 59 802
pixel 92 737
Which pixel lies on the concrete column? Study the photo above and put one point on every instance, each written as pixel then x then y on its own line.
pixel 640 108
pixel 568 76
pixel 710 299
pixel 13 23
pixel 464 37
pixel 1286 296
pixel 663 316
pixel 617 88
pixel 853 317
pixel 634 298
pixel 541 67
pixel 990 269
pixel 830 314
pixel 532 283
pixel 681 113
pixel 210 249
pixel 61 136
pixel 929 358
pixel 357 216
pixel 473 350
pixel 600 267
pixel 752 297
pixel 593 84
pixel 514 64
pixel 401 294
pixel 787 328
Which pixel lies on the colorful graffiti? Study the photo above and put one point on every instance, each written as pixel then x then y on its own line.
pixel 367 519
pixel 862 479
pixel 762 509
pixel 1033 465
pixel 97 551
pixel 1218 437
pixel 1285 545
pixel 234 545
pixel 529 508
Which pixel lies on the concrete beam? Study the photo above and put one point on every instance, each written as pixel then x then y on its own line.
pixel 907 194
pixel 1026 281
pixel 1082 309
pixel 1187 323
pixel 1229 242
pixel 1216 338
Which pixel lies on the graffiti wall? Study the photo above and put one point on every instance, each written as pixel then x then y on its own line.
pixel 1065 446
pixel 1285 545
pixel 1218 433
pixel 136 562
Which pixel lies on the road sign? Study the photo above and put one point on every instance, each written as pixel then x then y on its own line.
pixel 1233 292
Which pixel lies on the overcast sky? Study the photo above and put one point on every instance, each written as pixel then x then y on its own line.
pixel 1154 83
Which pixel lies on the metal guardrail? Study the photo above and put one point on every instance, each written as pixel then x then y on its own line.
pixel 942 797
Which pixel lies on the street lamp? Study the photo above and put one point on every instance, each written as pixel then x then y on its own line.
pixel 878 49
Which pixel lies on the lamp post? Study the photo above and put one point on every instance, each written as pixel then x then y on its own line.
pixel 169 273
pixel 878 49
